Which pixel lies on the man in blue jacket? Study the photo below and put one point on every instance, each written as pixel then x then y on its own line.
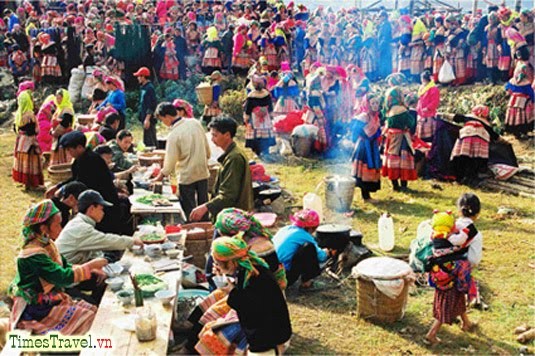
pixel 147 105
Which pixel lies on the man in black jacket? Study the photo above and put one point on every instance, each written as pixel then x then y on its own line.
pixel 147 105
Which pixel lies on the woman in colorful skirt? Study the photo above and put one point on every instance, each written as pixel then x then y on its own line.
pixel 270 51
pixel 169 69
pixel 526 27
pixel 398 160
pixel 27 165
pixel 286 92
pixel 493 39
pixel 258 107
pixel 316 103
pixel 471 151
pixel 241 59
pixel 366 161
pixel 62 123
pixel 213 110
pixel 211 60
pixel 455 49
pixel 404 52
pixel 520 116
pixel 428 102
pixel 40 305
pixel 44 118
pixel 229 324
pixel 439 38
pixel 504 49
pixel 50 69
pixel 417 49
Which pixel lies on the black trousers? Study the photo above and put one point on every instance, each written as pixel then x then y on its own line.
pixel 193 195
pixel 149 135
pixel 97 291
pixel 305 264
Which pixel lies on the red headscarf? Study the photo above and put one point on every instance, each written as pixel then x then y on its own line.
pixel 305 218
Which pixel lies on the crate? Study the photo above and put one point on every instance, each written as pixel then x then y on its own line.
pixel 198 243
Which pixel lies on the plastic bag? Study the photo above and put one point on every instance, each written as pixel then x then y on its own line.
pixel 446 74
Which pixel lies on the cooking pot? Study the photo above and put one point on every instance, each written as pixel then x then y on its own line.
pixel 333 236
pixel 271 194
pixel 355 236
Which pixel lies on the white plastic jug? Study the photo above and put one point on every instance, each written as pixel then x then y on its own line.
pixel 313 202
pixel 386 232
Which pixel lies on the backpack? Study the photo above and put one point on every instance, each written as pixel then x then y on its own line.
pixel 421 248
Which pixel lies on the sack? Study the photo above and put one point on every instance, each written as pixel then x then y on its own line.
pixel 421 249
pixel 446 74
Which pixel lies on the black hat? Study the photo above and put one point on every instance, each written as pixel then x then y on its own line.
pixel 91 197
pixel 73 188
pixel 73 139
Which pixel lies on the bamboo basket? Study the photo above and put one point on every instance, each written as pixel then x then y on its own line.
pixel 302 146
pixel 198 243
pixel 373 304
pixel 59 172
pixel 204 93
pixel 147 159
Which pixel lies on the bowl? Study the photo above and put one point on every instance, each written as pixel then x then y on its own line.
pixel 153 250
pixel 115 283
pixel 126 264
pixel 172 253
pixel 165 296
pixel 141 184
pixel 125 297
pixel 113 269
pixel 168 246
pixel 137 250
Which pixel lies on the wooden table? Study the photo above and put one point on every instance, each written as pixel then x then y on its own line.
pixel 169 212
pixel 125 342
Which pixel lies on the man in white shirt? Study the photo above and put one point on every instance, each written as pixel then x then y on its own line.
pixel 188 150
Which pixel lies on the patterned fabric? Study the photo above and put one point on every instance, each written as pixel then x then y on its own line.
pixel 169 69
pixel 211 58
pixel 27 165
pixel 65 105
pixel 393 97
pixel 416 59
pixel 232 221
pixel 37 214
pixel 404 59
pixel 93 140
pixel 24 113
pixel 438 61
pixel 180 103
pixel 236 249
pixel 305 218
pixel 448 305
pixel 492 55
pixel 481 111
pixel 398 160
pixel 242 59
pixel 285 105
pixel 50 66
pixel 425 127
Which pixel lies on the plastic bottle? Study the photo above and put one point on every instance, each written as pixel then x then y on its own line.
pixel 313 202
pixel 386 232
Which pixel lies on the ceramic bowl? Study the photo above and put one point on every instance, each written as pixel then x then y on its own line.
pixel 113 269
pixel 172 253
pixel 168 246
pixel 137 250
pixel 115 283
pixel 125 297
pixel 165 296
pixel 153 250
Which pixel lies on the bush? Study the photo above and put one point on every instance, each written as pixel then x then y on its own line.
pixel 231 104
pixel 170 90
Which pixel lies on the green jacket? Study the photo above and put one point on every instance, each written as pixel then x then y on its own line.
pixel 233 187
pixel 119 158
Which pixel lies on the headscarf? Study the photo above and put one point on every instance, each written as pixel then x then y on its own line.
pixel 418 29
pixel 37 214
pixel 211 34
pixel 481 111
pixel 231 221
pixel 93 140
pixel 396 79
pixel 65 101
pixel 521 75
pixel 393 97
pixel 235 249
pixel 305 218
pixel 179 103
pixel 25 103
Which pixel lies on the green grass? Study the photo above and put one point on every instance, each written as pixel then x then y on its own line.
pixel 325 322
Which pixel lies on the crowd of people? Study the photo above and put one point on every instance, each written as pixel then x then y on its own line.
pixel 320 63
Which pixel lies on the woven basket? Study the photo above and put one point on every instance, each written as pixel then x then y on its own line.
pixel 204 94
pixel 86 119
pixel 59 172
pixel 373 304
pixel 302 145
pixel 198 243
pixel 214 170
pixel 149 158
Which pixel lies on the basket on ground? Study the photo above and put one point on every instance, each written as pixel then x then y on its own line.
pixel 147 159
pixel 198 241
pixel 302 146
pixel 204 93
pixel 382 288
pixel 59 172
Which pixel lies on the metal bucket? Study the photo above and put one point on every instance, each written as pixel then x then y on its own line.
pixel 339 192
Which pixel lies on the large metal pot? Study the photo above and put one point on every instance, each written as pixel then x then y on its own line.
pixel 333 236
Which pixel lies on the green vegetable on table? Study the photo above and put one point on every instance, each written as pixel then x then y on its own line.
pixel 149 284
pixel 153 236
pixel 149 198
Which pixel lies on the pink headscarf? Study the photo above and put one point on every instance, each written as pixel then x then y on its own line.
pixel 481 111
pixel 183 104
pixel 285 67
pixel 305 218
pixel 26 85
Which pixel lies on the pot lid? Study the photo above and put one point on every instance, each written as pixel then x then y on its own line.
pixel 333 228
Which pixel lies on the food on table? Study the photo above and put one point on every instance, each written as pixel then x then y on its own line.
pixel 149 284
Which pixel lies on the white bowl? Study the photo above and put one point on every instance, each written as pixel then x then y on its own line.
pixel 113 269
pixel 172 253
pixel 165 296
pixel 153 250
pixel 168 246
pixel 137 250
pixel 115 283
pixel 125 297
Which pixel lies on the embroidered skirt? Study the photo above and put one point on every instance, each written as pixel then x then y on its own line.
pixel 520 116
pixel 27 165
pixel 425 127
pixel 417 63
pixel 50 66
pixel 448 305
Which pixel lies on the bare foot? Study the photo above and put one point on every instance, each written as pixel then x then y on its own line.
pixel 431 341
pixel 469 327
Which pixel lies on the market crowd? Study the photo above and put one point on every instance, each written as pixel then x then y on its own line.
pixel 308 72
